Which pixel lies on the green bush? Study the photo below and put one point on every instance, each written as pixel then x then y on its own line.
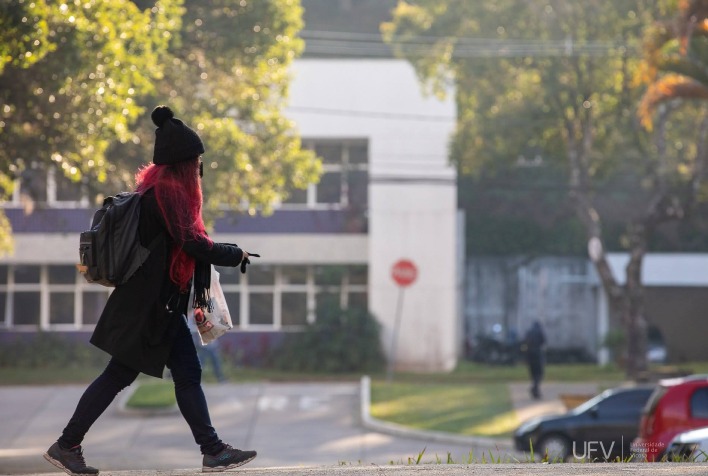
pixel 342 340
pixel 49 349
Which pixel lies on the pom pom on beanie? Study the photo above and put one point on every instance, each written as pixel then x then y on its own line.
pixel 160 114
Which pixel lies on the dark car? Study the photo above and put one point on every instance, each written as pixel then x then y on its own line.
pixel 601 429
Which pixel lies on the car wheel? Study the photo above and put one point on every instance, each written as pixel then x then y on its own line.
pixel 554 448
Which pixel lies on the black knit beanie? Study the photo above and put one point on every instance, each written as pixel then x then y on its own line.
pixel 174 140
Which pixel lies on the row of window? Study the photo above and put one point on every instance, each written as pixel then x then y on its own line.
pixel 268 297
pixel 343 183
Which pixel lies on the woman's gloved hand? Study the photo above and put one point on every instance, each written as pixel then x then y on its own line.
pixel 245 261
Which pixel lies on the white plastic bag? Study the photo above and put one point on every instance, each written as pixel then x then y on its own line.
pixel 214 324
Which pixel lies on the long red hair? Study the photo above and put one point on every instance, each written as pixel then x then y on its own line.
pixel 178 191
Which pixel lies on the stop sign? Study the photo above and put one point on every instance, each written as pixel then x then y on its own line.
pixel 404 272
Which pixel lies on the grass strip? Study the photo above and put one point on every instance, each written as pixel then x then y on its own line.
pixel 465 409
pixel 152 395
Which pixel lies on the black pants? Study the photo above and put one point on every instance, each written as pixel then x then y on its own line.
pixel 186 374
pixel 535 363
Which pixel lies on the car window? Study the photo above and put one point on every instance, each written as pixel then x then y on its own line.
pixel 624 403
pixel 699 403
pixel 653 401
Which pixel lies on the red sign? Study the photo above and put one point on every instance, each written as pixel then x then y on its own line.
pixel 404 272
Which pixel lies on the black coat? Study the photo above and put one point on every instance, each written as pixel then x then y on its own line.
pixel 135 327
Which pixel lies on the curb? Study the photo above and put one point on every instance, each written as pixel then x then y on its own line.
pixel 399 430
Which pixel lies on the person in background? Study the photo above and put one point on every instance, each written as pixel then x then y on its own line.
pixel 534 342
pixel 210 352
pixel 144 326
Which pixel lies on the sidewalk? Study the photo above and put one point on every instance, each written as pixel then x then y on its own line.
pixel 490 469
pixel 289 424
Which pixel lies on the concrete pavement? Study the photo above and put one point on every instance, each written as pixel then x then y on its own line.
pixel 301 428
pixel 566 469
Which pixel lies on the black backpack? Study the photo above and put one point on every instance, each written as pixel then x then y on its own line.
pixel 110 252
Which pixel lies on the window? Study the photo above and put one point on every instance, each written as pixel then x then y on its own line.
pixel 294 274
pixel 261 280
pixel 358 301
pixel 623 403
pixel 228 275
pixel 341 286
pixel 261 275
pixel 233 302
pixel 699 403
pixel 329 275
pixel 33 183
pixel 269 297
pixel 26 308
pixel 62 275
pixel 294 309
pixel 65 189
pixel 345 176
pixel 3 304
pixel 327 301
pixel 52 186
pixel 26 274
pixel 61 308
pixel 260 308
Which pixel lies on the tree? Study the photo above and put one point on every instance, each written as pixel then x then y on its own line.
pixel 228 73
pixel 675 69
pixel 78 80
pixel 676 52
pixel 69 76
pixel 551 82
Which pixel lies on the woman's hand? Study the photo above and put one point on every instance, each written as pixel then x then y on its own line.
pixel 245 261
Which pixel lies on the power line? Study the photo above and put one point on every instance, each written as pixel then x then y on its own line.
pixel 509 122
pixel 374 114
pixel 368 44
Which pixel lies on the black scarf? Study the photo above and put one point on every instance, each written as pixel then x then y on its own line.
pixel 202 281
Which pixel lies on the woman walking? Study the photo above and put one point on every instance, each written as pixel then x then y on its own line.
pixel 143 326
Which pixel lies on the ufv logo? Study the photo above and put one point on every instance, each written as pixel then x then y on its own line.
pixel 594 449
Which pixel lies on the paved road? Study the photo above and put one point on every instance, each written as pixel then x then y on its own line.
pixel 313 429
pixel 288 424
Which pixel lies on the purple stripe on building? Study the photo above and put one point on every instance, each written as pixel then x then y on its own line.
pixel 295 221
pixel 76 220
pixel 50 220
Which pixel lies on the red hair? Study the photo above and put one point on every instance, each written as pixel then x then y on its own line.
pixel 179 195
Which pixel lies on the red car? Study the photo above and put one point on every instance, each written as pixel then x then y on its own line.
pixel 676 405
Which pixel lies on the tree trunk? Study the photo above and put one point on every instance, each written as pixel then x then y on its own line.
pixel 626 301
pixel 633 309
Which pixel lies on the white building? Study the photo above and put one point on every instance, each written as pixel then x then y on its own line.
pixel 412 193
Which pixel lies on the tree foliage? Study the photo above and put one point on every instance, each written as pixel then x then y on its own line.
pixel 676 58
pixel 230 74
pixel 78 80
pixel 551 83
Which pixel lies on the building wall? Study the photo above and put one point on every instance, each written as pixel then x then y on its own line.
pixel 410 213
pixel 509 293
pixel 679 314
pixel 565 294
pixel 412 194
